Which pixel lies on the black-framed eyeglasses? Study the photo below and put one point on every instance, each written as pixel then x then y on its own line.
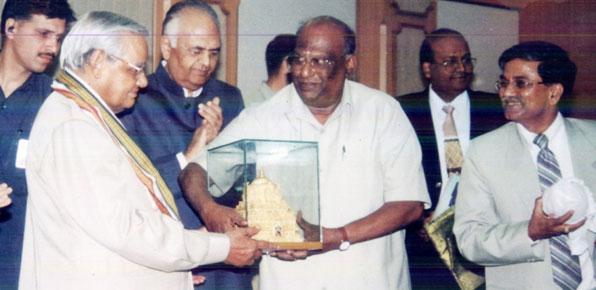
pixel 453 62
pixel 518 84
pixel 137 70
pixel 319 64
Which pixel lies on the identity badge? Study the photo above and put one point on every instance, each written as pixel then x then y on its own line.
pixel 21 153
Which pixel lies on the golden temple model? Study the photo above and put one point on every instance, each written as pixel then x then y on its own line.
pixel 268 211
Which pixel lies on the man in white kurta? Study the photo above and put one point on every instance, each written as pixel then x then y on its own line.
pixel 91 222
pixel 369 157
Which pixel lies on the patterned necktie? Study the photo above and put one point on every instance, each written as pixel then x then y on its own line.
pixel 566 269
pixel 453 153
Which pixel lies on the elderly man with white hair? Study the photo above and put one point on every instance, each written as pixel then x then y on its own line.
pixel 100 216
pixel 174 110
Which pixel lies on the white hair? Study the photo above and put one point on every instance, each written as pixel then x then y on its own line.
pixel 171 23
pixel 102 30
pixel 171 31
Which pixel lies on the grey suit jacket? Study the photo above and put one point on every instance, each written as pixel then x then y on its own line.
pixel 498 186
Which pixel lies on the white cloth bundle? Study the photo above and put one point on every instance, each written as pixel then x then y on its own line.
pixel 571 194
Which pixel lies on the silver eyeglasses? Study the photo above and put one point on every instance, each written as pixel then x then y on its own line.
pixel 453 62
pixel 518 84
pixel 297 61
pixel 135 69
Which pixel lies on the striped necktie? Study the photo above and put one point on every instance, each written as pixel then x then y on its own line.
pixel 566 268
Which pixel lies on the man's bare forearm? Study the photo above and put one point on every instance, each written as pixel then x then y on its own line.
pixel 388 218
pixel 216 218
pixel 193 180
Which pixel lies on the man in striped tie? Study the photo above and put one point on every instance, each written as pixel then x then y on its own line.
pixel 499 218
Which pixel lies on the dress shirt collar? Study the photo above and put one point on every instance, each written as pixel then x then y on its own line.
pixel 552 132
pixel 193 94
pixel 33 85
pixel 461 116
pixel 460 103
pixel 299 109
pixel 187 93
pixel 27 85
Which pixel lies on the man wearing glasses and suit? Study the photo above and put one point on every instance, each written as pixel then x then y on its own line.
pixel 500 220
pixel 448 67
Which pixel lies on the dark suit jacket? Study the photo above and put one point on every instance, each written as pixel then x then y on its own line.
pixel 486 115
pixel 426 268
pixel 162 122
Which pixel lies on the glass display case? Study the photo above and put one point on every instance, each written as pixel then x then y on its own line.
pixel 279 182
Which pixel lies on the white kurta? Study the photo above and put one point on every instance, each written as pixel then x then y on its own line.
pixel 91 223
pixel 368 155
pixel 258 95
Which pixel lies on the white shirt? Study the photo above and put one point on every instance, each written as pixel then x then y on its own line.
pixel 461 116
pixel 258 95
pixel 368 155
pixel 187 93
pixel 90 222
pixel 558 144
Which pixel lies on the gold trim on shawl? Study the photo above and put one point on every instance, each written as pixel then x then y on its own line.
pixel 142 165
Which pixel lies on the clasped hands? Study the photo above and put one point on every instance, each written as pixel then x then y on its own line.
pixel 332 238
pixel 543 226
pixel 244 250
pixel 222 219
pixel 212 116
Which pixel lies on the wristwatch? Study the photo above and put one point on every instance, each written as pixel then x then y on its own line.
pixel 345 243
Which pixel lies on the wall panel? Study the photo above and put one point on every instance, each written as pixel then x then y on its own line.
pixel 572 25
